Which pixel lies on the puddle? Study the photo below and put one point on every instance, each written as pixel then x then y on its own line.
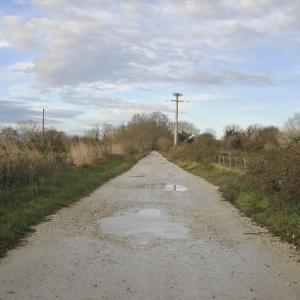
pixel 175 187
pixel 162 186
pixel 144 225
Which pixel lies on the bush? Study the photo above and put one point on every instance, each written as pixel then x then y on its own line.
pixel 277 173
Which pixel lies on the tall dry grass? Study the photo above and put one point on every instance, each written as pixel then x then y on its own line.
pixel 25 157
pixel 82 153
pixel 23 162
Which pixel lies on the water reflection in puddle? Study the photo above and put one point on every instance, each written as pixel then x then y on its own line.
pixel 175 187
pixel 163 187
pixel 143 226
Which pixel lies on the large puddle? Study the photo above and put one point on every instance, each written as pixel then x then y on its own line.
pixel 162 186
pixel 144 226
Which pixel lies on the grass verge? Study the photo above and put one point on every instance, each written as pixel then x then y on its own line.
pixel 283 222
pixel 24 206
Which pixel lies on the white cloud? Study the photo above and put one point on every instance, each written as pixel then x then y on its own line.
pixel 20 67
pixel 208 96
pixel 19 33
pixel 141 42
pixel 4 44
pixel 93 55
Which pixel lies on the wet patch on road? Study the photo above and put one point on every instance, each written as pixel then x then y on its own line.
pixel 144 225
pixel 175 187
pixel 162 186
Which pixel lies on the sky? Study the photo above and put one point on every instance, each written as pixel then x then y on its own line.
pixel 91 62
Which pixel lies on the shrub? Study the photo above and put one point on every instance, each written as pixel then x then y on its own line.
pixel 277 173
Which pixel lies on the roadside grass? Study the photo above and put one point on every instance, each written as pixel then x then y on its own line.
pixel 22 207
pixel 283 222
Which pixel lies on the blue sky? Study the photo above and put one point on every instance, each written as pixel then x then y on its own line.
pixel 97 61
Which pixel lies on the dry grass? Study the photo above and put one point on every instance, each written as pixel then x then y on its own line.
pixel 117 149
pixel 23 162
pixel 26 158
pixel 83 154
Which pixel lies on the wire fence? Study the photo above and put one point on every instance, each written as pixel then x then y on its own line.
pixel 232 162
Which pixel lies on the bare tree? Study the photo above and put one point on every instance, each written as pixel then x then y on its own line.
pixel 211 131
pixel 233 136
pixel 188 128
pixel 106 132
pixel 93 133
pixel 292 126
pixel 9 133
pixel 29 130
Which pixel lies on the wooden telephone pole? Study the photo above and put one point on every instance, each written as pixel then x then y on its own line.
pixel 44 108
pixel 177 95
pixel 43 127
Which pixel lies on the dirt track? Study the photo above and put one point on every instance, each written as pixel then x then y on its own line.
pixel 142 237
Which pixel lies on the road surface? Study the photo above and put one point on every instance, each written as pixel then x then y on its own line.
pixel 155 232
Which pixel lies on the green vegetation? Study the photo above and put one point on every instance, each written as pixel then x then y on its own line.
pixel 257 169
pixel 24 206
pixel 40 175
pixel 255 203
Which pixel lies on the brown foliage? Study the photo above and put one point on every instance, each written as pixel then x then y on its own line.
pixel 24 158
pixel 278 173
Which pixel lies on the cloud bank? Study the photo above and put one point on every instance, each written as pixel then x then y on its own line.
pixel 100 55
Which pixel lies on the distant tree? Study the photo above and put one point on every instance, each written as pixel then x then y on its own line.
pixel 232 130
pixel 159 119
pixel 56 140
pixel 233 136
pixel 211 131
pixel 188 128
pixel 106 132
pixel 257 137
pixel 292 126
pixel 144 131
pixel 269 137
pixel 93 133
pixel 207 143
pixel 29 130
pixel 9 133
pixel 185 137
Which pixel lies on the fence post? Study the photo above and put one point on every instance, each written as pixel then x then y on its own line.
pixel 236 163
pixel 219 159
pixel 244 163
pixel 229 161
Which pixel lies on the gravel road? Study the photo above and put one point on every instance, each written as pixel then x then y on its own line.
pixel 155 232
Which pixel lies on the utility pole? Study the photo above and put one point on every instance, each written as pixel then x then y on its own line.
pixel 177 95
pixel 43 129
pixel 43 125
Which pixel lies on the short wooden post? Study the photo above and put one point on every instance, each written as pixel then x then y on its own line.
pixel 244 163
pixel 229 158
